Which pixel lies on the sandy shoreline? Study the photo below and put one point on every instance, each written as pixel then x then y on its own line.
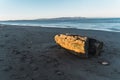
pixel 30 53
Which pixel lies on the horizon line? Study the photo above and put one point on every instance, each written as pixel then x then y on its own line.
pixel 55 18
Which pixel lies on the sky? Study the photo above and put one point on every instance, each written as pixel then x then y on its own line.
pixel 35 9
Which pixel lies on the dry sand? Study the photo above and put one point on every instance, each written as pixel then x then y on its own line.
pixel 30 53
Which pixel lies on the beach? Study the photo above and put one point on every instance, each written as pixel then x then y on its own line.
pixel 30 53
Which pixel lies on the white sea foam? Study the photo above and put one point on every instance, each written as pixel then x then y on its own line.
pixel 113 27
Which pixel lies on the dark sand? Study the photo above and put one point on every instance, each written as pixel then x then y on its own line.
pixel 30 53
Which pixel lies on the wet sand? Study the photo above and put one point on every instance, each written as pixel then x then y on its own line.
pixel 30 53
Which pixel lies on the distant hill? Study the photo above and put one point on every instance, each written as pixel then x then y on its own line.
pixel 62 18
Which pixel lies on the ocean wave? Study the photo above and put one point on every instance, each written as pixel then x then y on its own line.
pixel 112 27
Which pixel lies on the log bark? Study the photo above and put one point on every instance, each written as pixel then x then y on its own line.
pixel 79 45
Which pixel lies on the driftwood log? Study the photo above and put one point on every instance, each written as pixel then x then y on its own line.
pixel 79 45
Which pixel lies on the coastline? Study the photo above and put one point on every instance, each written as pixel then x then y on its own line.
pixel 30 53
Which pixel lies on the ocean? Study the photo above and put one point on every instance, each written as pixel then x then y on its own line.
pixel 103 24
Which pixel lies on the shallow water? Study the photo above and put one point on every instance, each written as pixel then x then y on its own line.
pixel 112 25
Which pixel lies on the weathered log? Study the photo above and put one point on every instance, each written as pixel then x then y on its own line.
pixel 79 45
